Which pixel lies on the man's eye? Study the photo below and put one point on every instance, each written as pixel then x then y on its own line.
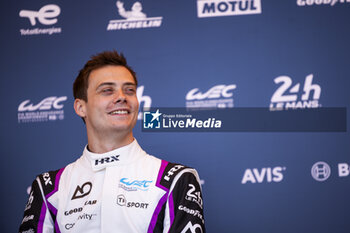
pixel 107 90
pixel 130 90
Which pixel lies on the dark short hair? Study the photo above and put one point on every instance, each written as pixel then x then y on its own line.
pixel 97 61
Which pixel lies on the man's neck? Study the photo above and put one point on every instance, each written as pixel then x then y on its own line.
pixel 102 144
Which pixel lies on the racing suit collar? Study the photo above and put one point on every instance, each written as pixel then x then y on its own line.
pixel 117 157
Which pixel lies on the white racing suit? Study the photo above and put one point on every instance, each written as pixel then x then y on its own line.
pixel 124 190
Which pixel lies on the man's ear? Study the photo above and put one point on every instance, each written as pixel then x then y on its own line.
pixel 80 107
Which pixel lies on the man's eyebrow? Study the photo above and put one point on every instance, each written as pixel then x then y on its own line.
pixel 129 84
pixel 113 84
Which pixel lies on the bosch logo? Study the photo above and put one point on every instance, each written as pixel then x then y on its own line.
pixel 320 171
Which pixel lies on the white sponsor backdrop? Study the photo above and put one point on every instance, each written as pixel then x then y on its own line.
pixel 256 53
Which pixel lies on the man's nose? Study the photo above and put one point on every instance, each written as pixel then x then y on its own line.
pixel 119 97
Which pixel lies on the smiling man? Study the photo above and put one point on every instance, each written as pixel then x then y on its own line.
pixel 114 186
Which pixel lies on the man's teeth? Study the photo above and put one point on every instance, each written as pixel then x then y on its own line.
pixel 119 112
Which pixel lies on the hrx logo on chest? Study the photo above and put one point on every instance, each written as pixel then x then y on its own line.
pixel 107 160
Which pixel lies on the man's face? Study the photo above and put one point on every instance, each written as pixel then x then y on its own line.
pixel 112 104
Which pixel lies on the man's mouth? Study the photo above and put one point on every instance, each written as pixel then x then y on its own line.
pixel 119 112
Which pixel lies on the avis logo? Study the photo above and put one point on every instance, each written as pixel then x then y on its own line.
pixel 219 96
pixel 134 18
pixel 215 8
pixel 267 174
pixel 292 96
pixel 151 120
pixel 47 15
pixel 29 112
pixel 82 191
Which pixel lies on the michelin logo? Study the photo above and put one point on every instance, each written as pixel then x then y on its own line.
pixel 215 8
pixel 27 112
pixel 219 96
pixel 47 15
pixel 134 18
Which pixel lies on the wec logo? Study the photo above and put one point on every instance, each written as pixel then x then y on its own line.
pixel 219 96
pixel 214 92
pixel 46 15
pixel 45 104
pixel 135 184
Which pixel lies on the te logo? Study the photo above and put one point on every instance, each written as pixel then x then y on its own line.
pixel 46 15
pixel 214 92
pixel 45 104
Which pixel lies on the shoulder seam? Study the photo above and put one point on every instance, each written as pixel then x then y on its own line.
pixel 177 177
